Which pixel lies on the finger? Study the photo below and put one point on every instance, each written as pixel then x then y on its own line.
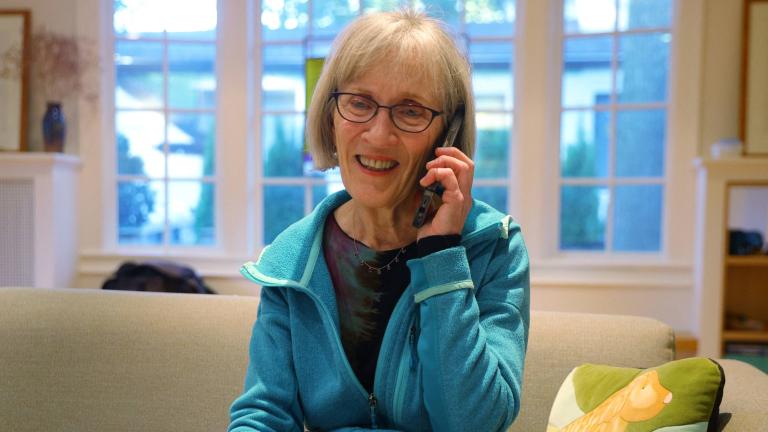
pixel 448 162
pixel 445 176
pixel 456 153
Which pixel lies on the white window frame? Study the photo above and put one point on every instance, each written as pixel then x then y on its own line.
pixel 533 195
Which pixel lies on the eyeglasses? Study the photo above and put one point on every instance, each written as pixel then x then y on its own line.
pixel 357 108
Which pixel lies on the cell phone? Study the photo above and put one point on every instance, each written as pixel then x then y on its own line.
pixel 436 188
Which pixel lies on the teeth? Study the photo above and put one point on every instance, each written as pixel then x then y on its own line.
pixel 377 164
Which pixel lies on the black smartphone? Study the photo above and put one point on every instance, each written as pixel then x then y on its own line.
pixel 436 188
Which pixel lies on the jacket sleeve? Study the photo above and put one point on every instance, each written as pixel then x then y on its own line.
pixel 270 400
pixel 473 334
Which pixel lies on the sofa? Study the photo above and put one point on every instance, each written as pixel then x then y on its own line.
pixel 91 360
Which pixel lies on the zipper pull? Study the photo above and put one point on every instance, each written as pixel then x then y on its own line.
pixel 372 404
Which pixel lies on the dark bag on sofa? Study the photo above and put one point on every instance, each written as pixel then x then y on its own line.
pixel 159 276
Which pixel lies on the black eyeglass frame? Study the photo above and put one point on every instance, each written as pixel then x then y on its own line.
pixel 435 113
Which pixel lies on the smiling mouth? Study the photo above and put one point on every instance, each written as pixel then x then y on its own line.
pixel 375 164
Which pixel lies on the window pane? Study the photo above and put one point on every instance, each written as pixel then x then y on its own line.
pixel 191 19
pixel 446 10
pixel 637 218
pixel 584 137
pixel 640 143
pixel 319 192
pixel 493 75
pixel 138 74
pixel 140 142
pixel 191 76
pixel 583 212
pixel 589 16
pixel 141 215
pixel 284 19
pixel 183 19
pixel 330 16
pixel 191 144
pixel 494 196
pixel 282 82
pixel 643 68
pixel 494 133
pixel 634 14
pixel 282 138
pixel 139 18
pixel 490 18
pixel 191 213
pixel 587 71
pixel 381 5
pixel 283 205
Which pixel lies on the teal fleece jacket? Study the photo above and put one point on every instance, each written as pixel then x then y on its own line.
pixel 452 354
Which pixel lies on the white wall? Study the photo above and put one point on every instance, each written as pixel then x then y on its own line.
pixel 708 82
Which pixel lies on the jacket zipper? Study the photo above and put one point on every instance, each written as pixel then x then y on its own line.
pixel 372 404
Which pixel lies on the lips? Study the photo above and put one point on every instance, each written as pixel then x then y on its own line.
pixel 376 164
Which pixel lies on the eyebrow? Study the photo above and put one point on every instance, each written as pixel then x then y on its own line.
pixel 407 97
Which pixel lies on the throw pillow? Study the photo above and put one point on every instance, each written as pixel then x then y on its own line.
pixel 680 396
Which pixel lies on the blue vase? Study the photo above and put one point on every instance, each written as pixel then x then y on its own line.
pixel 54 128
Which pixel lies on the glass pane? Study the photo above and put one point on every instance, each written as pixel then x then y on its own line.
pixel 284 19
pixel 381 5
pixel 283 205
pixel 587 71
pixel 589 16
pixel 191 76
pixel 141 214
pixel 640 143
pixel 445 10
pixel 637 218
pixel 191 213
pixel 319 192
pixel 494 133
pixel 282 82
pixel 183 19
pixel 191 144
pixel 282 137
pixel 330 16
pixel 584 137
pixel 493 75
pixel 643 68
pixel 191 19
pixel 140 139
pixel 634 14
pixel 318 48
pixel 139 18
pixel 583 211
pixel 490 18
pixel 138 74
pixel 494 196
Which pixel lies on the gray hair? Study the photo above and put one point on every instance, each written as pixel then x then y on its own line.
pixel 411 43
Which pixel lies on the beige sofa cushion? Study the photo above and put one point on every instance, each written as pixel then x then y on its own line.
pixel 89 360
pixel 558 342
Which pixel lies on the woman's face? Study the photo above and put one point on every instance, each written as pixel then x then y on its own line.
pixel 380 163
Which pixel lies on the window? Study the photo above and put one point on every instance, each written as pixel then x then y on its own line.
pixel 294 31
pixel 613 128
pixel 165 121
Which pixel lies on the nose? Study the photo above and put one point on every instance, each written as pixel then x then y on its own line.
pixel 381 127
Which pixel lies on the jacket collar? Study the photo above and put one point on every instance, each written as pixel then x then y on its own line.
pixel 293 257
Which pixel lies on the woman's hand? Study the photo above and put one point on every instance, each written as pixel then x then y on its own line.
pixel 455 171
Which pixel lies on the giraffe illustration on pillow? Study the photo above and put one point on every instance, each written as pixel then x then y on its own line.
pixel 641 399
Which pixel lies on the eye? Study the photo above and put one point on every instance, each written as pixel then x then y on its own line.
pixel 359 103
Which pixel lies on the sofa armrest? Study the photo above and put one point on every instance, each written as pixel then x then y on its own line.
pixel 745 396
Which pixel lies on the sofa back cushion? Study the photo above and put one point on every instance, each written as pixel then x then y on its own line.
pixel 558 342
pixel 91 360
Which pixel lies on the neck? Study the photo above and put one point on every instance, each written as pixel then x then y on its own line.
pixel 377 228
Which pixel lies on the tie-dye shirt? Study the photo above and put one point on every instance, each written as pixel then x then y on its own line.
pixel 365 298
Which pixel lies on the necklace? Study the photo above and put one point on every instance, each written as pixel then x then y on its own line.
pixel 371 268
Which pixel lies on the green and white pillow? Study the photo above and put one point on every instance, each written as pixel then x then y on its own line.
pixel 679 396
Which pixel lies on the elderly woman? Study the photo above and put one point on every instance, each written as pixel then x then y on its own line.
pixel 365 320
